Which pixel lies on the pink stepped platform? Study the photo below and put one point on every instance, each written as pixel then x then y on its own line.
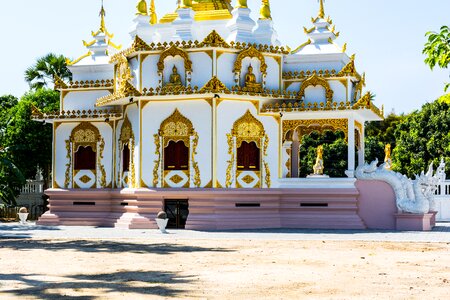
pixel 368 205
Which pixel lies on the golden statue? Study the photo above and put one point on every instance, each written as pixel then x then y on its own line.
pixel 175 78
pixel 387 158
pixel 250 79
pixel 142 8
pixel 318 167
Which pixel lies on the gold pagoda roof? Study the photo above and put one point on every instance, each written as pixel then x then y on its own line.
pixel 205 10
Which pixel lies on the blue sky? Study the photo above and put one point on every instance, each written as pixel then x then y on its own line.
pixel 387 37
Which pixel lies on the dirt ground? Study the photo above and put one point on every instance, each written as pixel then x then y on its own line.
pixel 225 269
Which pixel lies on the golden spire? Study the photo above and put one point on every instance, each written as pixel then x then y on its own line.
pixel 153 16
pixel 142 8
pixel 321 10
pixel 241 3
pixel 187 3
pixel 265 13
pixel 102 28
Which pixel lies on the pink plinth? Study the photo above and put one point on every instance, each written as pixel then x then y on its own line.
pixel 377 205
pixel 370 204
pixel 415 222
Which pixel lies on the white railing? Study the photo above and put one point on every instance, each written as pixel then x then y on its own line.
pixel 33 187
pixel 442 199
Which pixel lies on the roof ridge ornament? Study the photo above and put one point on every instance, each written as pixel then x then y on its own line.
pixel 321 13
pixel 265 13
pixel 153 16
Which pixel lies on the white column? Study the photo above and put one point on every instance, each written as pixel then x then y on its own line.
pixel 183 24
pixel 361 153
pixel 351 148
pixel 241 26
pixel 287 157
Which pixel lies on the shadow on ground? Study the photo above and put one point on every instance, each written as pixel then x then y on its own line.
pixel 83 286
pixel 96 246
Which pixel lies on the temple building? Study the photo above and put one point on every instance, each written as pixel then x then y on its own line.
pixel 201 116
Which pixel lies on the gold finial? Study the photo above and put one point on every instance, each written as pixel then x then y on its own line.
pixel 265 13
pixel 241 4
pixel 153 16
pixel 142 8
pixel 187 3
pixel 344 48
pixel 321 10
pixel 102 18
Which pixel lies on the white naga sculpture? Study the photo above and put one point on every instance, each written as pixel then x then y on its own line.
pixel 412 196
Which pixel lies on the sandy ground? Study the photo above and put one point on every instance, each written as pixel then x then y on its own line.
pixel 225 269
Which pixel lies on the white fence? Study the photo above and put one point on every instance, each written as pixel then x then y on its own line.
pixel 442 199
pixel 33 187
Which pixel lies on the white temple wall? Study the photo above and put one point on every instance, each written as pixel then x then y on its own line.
pixel 315 94
pixel 206 27
pixel 62 134
pixel 134 66
pixel 201 68
pixel 169 62
pixel 228 113
pixel 107 134
pixel 198 112
pixel 82 100
pixel 273 74
pixel 92 74
pixel 291 65
pixel 294 87
pixel 339 91
pixel 150 79
pixel 225 66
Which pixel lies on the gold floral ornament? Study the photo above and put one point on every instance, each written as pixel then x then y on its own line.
pixel 214 86
pixel 306 127
pixel 349 69
pixel 172 52
pixel 214 40
pixel 315 80
pixel 250 52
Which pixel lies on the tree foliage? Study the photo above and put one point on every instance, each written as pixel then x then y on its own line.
pixel 423 137
pixel 42 73
pixel 437 49
pixel 334 153
pixel 30 142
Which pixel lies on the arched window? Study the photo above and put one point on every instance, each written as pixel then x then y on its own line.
pixel 126 158
pixel 85 158
pixel 248 157
pixel 176 156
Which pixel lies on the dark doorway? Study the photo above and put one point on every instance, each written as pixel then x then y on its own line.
pixel 176 156
pixel 248 157
pixel 177 211
pixel 85 158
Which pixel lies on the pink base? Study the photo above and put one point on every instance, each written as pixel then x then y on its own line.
pixel 415 222
pixel 370 205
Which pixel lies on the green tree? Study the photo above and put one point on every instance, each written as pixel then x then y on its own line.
pixel 30 142
pixel 378 134
pixel 423 137
pixel 11 179
pixel 437 49
pixel 334 153
pixel 42 74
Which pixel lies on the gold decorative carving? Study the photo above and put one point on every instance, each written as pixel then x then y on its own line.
pixel 250 52
pixel 100 165
pixel 267 177
pixel 250 80
pixel 305 127
pixel 197 179
pixel 85 134
pixel 127 138
pixel 174 51
pixel 229 175
pixel 248 128
pixel 59 83
pixel 69 164
pixel 214 86
pixel 308 42
pixel 248 179
pixel 158 161
pixel 349 69
pixel 315 80
pixel 85 179
pixel 359 126
pixel 288 163
pixel 176 179
pixel 318 167
pixel 140 45
pixel 214 40
pixel 175 78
